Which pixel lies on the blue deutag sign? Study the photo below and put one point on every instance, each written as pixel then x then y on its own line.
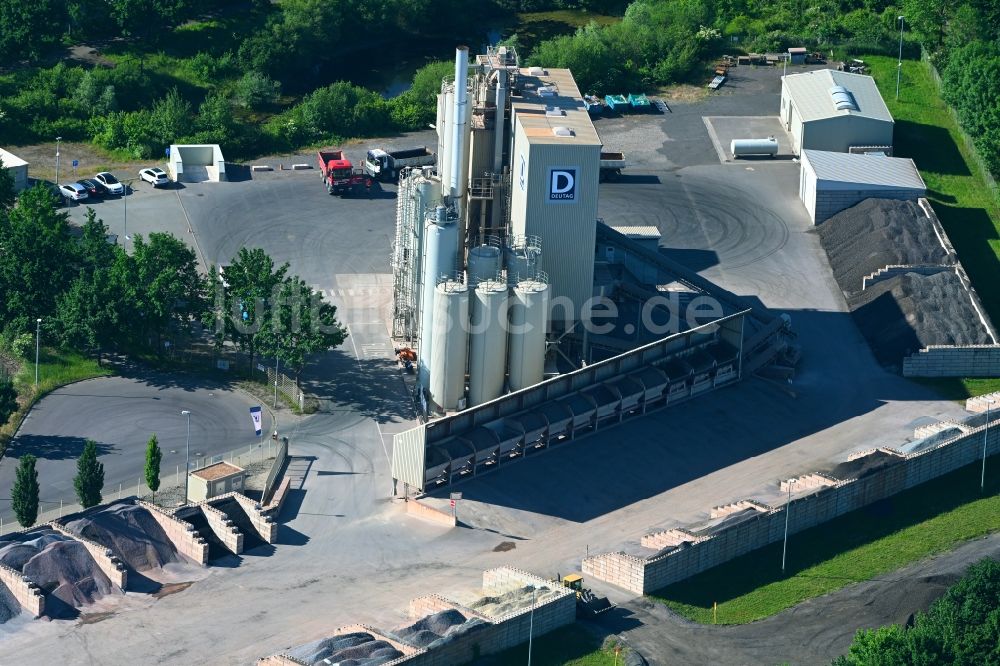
pixel 562 185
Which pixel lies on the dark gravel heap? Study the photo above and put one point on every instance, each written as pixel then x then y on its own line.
pixel 357 649
pixel 855 469
pixel 131 533
pixel 878 233
pixel 430 631
pixel 9 606
pixel 910 311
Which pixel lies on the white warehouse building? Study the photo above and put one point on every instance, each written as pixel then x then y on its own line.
pixel 18 169
pixel 834 111
pixel 831 182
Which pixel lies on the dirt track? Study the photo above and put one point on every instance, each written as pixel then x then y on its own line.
pixel 814 632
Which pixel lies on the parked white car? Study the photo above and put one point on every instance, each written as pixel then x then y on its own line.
pixel 154 176
pixel 73 191
pixel 109 181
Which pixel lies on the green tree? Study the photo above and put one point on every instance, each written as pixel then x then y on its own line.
pixel 38 257
pixel 8 399
pixel 166 292
pixel 89 479
pixel 301 325
pixel 24 494
pixel 241 312
pixel 27 28
pixel 255 90
pixel 6 187
pixel 153 457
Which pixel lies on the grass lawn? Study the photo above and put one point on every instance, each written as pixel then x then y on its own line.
pixel 569 646
pixel 859 546
pixel 970 212
pixel 55 368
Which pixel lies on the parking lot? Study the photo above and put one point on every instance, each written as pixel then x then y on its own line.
pixel 353 557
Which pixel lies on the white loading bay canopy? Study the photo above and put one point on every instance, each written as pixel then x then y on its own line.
pixel 196 163
pixel 831 182
pixel 831 110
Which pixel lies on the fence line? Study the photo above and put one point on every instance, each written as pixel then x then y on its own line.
pixel 169 480
pixel 991 183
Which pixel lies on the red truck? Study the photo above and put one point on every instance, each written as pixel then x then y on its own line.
pixel 339 174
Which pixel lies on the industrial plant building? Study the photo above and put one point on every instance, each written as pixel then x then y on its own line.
pixel 831 182
pixel 834 111
pixel 501 269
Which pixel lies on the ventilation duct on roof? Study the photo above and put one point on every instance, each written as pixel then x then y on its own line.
pixel 536 71
pixel 843 100
pixel 554 111
pixel 546 91
pixel 562 131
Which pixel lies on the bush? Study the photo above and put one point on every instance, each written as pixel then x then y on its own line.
pixel 255 90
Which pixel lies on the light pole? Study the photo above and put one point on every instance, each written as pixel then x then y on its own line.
pixel 58 139
pixel 38 341
pixel 788 510
pixel 275 381
pixel 982 477
pixel 126 184
pixel 899 65
pixel 187 453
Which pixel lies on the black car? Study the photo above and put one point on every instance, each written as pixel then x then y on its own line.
pixel 93 188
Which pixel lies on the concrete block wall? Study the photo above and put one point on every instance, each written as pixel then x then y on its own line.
pixel 263 524
pixel 223 528
pixel 735 507
pixel 112 567
pixel 280 660
pixel 832 499
pixel 274 507
pixel 979 403
pixel 426 512
pixel 183 535
pixel 807 482
pixel 27 593
pixel 888 272
pixel 665 538
pixel 944 361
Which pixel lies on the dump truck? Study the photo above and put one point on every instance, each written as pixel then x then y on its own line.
pixel 385 165
pixel 339 175
pixel 611 165
pixel 588 605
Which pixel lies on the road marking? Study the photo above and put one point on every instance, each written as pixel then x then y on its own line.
pixel 361 367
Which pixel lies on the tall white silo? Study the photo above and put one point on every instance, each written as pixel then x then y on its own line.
pixel 484 261
pixel 450 344
pixel 487 341
pixel 529 310
pixel 440 256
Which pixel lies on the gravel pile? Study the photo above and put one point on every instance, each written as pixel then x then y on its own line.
pixel 878 233
pixel 9 608
pixel 357 649
pixel 442 625
pixel 61 566
pixel 855 469
pixel 131 533
pixel 513 601
pixel 910 311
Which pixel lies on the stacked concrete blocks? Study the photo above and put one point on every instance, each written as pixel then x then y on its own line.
pixel 27 593
pixel 223 528
pixel 112 567
pixel 183 535
pixel 946 361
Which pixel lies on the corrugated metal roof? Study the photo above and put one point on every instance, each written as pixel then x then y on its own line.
pixel 638 231
pixel 810 91
pixel 10 159
pixel 872 170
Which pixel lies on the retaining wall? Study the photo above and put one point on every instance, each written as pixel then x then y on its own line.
pixel 421 510
pixel 112 567
pixel 183 535
pixel 262 524
pixel 980 403
pixel 31 598
pixel 642 575
pixel 945 361
pixel 274 507
pixel 273 474
pixel 280 660
pixel 223 528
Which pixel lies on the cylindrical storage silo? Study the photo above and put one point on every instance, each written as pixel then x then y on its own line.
pixel 450 344
pixel 529 309
pixel 483 263
pixel 487 342
pixel 440 252
pixel 523 261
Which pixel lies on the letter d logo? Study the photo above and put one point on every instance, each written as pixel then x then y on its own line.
pixel 562 185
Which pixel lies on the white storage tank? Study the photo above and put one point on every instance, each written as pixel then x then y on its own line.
pixel 529 309
pixel 523 257
pixel 744 147
pixel 450 344
pixel 487 342
pixel 484 262
pixel 440 254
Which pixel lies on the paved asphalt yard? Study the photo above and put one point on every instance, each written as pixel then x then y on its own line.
pixel 348 554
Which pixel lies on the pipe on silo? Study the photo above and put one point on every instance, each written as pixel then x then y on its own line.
pixel 460 118
pixel 498 124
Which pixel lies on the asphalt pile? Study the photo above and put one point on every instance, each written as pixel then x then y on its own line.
pixel 855 469
pixel 59 565
pixel 513 601
pixel 355 649
pixel 441 627
pixel 878 233
pixel 910 311
pixel 131 533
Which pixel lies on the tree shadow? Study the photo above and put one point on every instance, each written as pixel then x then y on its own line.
pixel 912 139
pixel 53 447
pixel 974 236
pixel 372 387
